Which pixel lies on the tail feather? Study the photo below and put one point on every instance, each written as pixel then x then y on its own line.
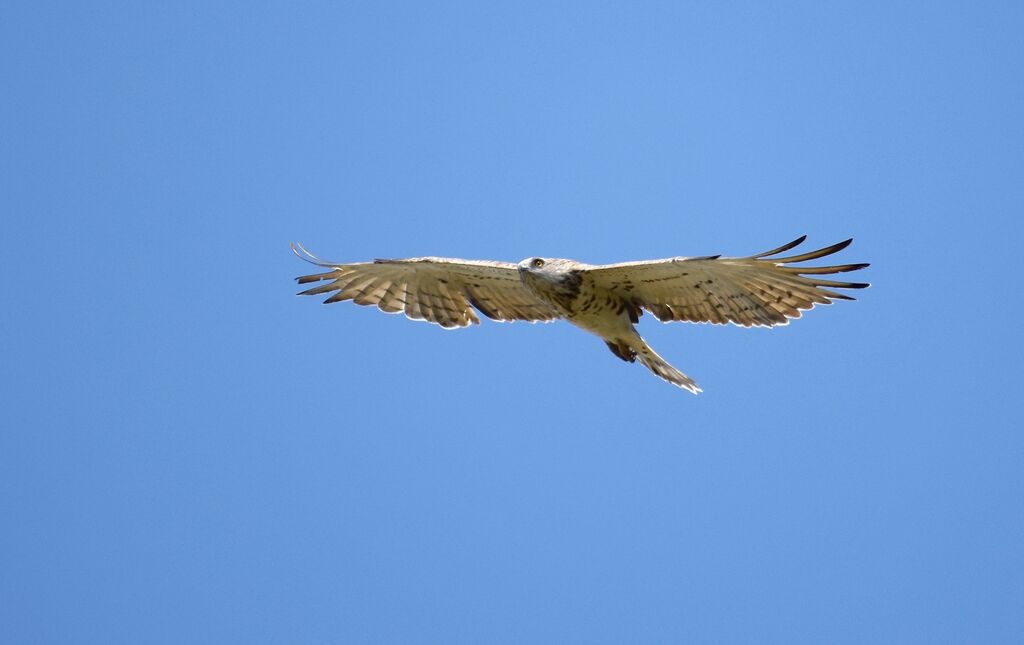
pixel 660 366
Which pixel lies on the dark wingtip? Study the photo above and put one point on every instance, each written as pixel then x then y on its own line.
pixel 785 247
pixel 814 255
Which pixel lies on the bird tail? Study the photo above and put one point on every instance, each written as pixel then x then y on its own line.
pixel 661 367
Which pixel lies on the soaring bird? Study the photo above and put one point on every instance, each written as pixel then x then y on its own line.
pixel 606 300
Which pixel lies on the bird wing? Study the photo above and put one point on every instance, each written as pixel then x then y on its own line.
pixel 439 290
pixel 758 290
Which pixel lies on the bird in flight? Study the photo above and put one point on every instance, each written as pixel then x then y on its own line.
pixel 607 300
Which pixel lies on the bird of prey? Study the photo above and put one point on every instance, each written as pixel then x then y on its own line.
pixel 605 300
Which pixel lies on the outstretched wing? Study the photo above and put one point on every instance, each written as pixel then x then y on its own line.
pixel 759 290
pixel 439 290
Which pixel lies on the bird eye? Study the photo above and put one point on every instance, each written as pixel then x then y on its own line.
pixel 537 263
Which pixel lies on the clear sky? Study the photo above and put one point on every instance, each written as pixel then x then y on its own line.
pixel 191 454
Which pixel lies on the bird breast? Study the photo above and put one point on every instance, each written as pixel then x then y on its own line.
pixel 558 288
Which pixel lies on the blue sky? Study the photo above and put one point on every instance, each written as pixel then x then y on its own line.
pixel 191 454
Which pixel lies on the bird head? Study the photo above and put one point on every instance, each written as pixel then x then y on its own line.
pixel 532 265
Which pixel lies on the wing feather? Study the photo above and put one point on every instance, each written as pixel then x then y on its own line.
pixel 444 291
pixel 757 290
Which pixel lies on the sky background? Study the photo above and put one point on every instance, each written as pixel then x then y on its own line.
pixel 191 454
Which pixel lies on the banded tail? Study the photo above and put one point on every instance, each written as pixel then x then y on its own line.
pixel 636 348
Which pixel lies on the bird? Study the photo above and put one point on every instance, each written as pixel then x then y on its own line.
pixel 607 300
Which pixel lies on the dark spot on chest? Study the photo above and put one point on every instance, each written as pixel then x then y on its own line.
pixel 569 286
